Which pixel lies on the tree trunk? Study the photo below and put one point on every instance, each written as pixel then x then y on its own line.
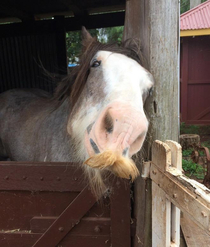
pixel 189 141
pixel 194 3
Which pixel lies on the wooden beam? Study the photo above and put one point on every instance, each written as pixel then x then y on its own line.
pixel 106 9
pixel 14 12
pixel 72 7
pixel 70 24
pixel 199 32
pixel 156 24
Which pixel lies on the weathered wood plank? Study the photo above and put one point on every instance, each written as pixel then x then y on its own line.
pixel 187 200
pixel 23 239
pixel 176 161
pixel 156 24
pixel 41 176
pixel 194 236
pixel 120 214
pixel 74 212
pixel 161 217
pixel 88 226
pixel 161 206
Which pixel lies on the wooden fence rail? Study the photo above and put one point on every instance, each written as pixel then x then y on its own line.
pixel 172 192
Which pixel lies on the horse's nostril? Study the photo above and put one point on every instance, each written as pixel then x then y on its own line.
pixel 108 123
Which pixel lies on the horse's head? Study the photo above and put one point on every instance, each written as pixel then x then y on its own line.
pixel 108 119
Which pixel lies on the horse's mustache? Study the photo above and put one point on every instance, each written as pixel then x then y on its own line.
pixel 121 166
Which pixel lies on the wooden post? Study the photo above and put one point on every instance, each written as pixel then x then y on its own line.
pixel 61 44
pixel 156 24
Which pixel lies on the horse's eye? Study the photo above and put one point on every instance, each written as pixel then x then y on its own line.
pixel 95 63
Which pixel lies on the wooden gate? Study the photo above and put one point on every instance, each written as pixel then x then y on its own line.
pixel 172 192
pixel 50 204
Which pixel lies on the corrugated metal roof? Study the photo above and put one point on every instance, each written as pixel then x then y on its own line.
pixel 196 18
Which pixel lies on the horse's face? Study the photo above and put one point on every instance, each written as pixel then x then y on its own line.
pixel 110 113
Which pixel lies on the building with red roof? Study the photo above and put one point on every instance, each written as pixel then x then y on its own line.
pixel 196 22
pixel 195 65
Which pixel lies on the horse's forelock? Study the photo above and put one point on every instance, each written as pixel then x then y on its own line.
pixel 73 85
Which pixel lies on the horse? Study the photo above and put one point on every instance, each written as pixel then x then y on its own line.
pixel 95 117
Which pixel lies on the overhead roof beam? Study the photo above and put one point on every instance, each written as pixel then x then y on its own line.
pixel 70 24
pixel 73 7
pixel 14 12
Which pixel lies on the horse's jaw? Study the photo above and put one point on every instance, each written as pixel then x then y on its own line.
pixel 77 127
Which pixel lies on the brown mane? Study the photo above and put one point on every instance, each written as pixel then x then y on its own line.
pixel 73 84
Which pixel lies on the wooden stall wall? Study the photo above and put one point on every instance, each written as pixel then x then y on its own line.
pixel 21 60
pixel 50 205
pixel 195 80
pixel 28 54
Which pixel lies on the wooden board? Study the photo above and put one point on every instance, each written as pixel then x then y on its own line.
pixel 194 236
pixel 44 203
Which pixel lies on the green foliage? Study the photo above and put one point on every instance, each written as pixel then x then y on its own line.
pixel 74 44
pixel 185 5
pixel 187 152
pixel 74 40
pixel 111 34
pixel 189 129
pixel 193 169
pixel 206 144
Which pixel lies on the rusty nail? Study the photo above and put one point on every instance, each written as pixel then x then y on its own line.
pixel 24 177
pixel 154 172
pixel 204 214
pixel 97 229
pixel 41 178
pixel 174 195
pixel 58 179
pixel 61 229
pixel 6 177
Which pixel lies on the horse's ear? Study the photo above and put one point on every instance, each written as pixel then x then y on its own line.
pixel 86 37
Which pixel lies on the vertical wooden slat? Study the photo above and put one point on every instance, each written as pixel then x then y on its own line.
pixel 2 67
pixel 61 45
pixel 19 65
pixel 161 206
pixel 120 214
pixel 176 161
pixel 161 218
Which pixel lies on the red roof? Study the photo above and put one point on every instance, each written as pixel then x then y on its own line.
pixel 196 18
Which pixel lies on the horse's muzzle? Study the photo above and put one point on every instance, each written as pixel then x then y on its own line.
pixel 120 128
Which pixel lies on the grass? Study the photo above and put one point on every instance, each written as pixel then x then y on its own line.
pixel 192 169
pixel 194 129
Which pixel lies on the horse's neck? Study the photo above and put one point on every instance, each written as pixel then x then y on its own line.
pixel 57 143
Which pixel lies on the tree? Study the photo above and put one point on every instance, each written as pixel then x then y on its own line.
pixel 73 44
pixel 185 5
pixel 73 40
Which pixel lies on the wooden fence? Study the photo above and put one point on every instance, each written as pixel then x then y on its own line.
pixel 50 205
pixel 172 192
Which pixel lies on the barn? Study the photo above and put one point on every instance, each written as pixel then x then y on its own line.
pixel 49 204
pixel 195 62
